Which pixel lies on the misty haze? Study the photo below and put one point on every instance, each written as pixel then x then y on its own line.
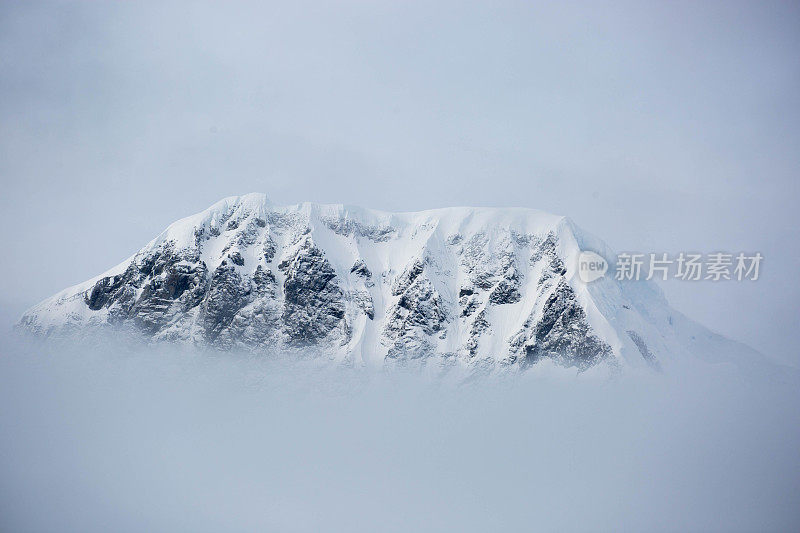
pixel 399 266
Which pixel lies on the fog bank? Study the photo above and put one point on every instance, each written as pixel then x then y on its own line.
pixel 158 440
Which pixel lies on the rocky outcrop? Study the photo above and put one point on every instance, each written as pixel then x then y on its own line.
pixel 417 314
pixel 313 300
pixel 226 296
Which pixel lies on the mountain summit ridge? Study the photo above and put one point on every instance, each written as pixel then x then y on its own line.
pixel 475 286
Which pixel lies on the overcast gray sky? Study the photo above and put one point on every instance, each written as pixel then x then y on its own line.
pixel 657 126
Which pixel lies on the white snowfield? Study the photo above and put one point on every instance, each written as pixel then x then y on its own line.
pixel 478 287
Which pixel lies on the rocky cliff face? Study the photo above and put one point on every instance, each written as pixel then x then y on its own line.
pixel 470 286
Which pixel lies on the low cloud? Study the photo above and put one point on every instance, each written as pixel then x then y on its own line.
pixel 126 439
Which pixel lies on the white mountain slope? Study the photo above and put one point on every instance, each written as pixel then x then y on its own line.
pixel 479 286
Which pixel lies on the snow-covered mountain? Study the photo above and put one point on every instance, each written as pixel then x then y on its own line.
pixel 478 286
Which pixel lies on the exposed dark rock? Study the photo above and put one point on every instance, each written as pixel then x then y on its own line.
pixel 102 292
pixel 469 304
pixel 455 239
pixel 563 334
pixel 236 258
pixel 163 276
pixel 410 348
pixel 479 325
pixel 168 284
pixel 348 226
pixel 547 251
pixel 269 249
pixel 420 306
pixel 484 280
pixel 226 296
pixel 418 314
pixel 404 281
pixel 359 268
pixel 264 282
pixel 314 305
pixel 363 300
pixel 505 292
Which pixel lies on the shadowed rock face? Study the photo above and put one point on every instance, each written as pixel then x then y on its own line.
pixel 560 331
pixel 153 289
pixel 360 269
pixel 563 333
pixel 314 305
pixel 226 295
pixel 162 289
pixel 418 314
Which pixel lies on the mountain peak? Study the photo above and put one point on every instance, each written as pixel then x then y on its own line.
pixel 467 286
